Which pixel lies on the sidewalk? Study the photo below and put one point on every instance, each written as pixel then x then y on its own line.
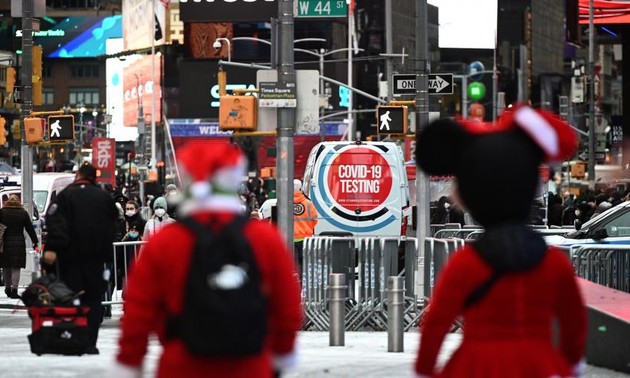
pixel 364 354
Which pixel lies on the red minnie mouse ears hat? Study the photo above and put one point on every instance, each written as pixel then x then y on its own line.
pixel 209 168
pixel 551 133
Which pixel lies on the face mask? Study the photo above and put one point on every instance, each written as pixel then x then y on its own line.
pixel 133 235
pixel 447 205
pixel 130 213
pixel 160 212
pixel 577 212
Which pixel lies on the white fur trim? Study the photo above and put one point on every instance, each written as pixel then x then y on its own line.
pixel 580 368
pixel 217 202
pixel 119 370
pixel 200 189
pixel 285 362
pixel 230 178
pixel 538 129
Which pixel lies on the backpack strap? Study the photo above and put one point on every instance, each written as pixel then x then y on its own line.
pixel 482 289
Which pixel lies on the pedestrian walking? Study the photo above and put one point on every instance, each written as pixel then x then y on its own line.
pixel 13 254
pixel 173 198
pixel 159 218
pixel 509 285
pixel 304 221
pixel 82 225
pixel 167 280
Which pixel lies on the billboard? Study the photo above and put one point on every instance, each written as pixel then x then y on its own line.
pixel 114 93
pixel 143 21
pixel 461 25
pixel 199 89
pixel 139 88
pixel 228 10
pixel 75 37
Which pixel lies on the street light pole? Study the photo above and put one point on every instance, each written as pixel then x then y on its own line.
pixel 27 103
pixel 591 96
pixel 153 131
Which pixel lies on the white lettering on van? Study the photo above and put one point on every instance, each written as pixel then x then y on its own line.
pixel 360 186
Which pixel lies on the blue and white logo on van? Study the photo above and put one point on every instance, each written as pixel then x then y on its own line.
pixel 354 188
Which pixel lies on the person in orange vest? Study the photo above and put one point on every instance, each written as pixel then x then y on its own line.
pixel 304 221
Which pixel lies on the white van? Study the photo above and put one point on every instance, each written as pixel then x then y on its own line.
pixel 46 186
pixel 358 188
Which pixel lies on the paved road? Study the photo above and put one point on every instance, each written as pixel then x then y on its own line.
pixel 364 354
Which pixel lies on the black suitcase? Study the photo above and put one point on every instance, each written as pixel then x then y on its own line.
pixel 59 330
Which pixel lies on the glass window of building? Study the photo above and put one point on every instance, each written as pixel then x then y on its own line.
pixel 48 96
pixel 84 95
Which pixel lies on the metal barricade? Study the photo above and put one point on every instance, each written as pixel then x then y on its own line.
pixel 604 264
pixel 123 255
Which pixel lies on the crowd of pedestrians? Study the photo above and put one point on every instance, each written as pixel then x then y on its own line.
pixel 565 209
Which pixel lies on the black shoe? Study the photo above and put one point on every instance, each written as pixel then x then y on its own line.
pixel 7 291
pixel 107 314
pixel 92 350
pixel 14 294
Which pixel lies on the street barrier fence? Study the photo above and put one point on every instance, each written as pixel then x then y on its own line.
pixel 123 253
pixel 604 264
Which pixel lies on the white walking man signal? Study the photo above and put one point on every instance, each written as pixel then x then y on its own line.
pixel 55 127
pixel 385 121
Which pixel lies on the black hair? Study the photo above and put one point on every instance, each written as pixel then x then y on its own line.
pixel 87 171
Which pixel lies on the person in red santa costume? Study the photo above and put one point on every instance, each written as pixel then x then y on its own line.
pixel 509 285
pixel 157 281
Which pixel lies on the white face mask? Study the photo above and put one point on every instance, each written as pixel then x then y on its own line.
pixel 160 212
pixel 578 212
pixel 130 213
pixel 447 205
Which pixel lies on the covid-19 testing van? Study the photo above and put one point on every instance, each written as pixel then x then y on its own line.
pixel 358 188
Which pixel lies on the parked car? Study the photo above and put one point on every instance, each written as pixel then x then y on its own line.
pixel 609 227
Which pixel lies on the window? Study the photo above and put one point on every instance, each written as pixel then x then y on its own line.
pixel 84 70
pixel 84 95
pixel 49 96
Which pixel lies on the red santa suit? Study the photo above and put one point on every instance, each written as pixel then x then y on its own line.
pixel 508 333
pixel 156 286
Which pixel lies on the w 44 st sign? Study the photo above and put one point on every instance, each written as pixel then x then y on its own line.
pixel 320 8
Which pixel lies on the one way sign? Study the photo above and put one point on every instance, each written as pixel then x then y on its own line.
pixel 439 84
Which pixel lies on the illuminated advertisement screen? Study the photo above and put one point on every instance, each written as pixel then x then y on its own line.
pixel 76 37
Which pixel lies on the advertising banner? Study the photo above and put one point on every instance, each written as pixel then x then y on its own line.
pixel 103 158
pixel 140 89
pixel 199 88
pixel 227 10
pixel 143 20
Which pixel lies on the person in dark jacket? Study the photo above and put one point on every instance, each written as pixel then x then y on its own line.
pixel 13 256
pixel 82 224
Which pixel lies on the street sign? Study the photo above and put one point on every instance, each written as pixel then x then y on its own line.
pixel 320 8
pixel 61 128
pixel 439 84
pixel 391 120
pixel 274 95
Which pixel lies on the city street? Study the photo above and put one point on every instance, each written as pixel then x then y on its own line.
pixel 364 354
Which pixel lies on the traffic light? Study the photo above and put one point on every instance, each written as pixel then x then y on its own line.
pixel 3 132
pixel 38 84
pixel 238 113
pixel 34 129
pixel 10 79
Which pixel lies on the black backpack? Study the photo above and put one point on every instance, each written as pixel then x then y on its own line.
pixel 224 315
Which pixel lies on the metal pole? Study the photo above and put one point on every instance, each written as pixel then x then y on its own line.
pixel 464 97
pixel 422 120
pixel 495 81
pixel 395 311
pixel 591 97
pixel 153 131
pixel 286 123
pixel 337 305
pixel 322 125
pixel 389 49
pixel 350 130
pixel 27 104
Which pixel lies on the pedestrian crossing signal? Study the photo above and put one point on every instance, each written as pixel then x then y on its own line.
pixel 61 128
pixel 34 129
pixel 391 120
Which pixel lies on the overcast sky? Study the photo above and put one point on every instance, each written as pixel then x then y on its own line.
pixel 467 23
